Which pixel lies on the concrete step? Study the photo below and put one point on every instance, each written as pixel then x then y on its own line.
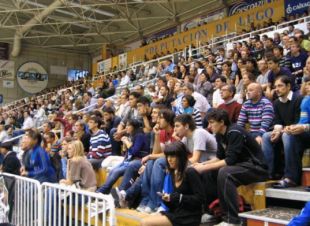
pixel 274 216
pixel 296 193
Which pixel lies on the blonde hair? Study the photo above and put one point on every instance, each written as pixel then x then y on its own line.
pixel 78 148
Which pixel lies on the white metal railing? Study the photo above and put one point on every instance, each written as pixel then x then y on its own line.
pixel 133 66
pixel 296 21
pixel 64 205
pixel 49 204
pixel 27 200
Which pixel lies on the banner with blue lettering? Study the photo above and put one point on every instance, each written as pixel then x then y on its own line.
pixel 293 7
pixel 246 5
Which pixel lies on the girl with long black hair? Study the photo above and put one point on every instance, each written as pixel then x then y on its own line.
pixel 186 198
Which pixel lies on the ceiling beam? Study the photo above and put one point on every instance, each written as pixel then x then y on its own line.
pixel 69 35
pixel 75 22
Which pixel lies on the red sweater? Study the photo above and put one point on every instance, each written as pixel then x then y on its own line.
pixel 233 108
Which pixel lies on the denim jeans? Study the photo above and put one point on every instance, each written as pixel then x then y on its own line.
pixel 117 172
pixel 152 182
pixel 292 157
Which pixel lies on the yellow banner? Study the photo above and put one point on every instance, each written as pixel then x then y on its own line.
pixel 258 15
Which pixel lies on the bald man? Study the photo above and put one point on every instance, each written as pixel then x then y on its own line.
pixel 257 111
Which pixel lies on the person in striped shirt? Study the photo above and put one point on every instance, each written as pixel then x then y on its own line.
pixel 257 111
pixel 100 143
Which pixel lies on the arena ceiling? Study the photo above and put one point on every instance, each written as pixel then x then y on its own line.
pixel 84 24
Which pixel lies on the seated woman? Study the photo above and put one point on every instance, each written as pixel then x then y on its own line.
pixel 36 161
pixel 185 201
pixel 138 146
pixel 188 103
pixel 79 168
pixel 64 154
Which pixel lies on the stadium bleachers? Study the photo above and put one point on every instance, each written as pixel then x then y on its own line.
pixel 268 205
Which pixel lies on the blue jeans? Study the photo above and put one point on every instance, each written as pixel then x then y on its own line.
pixel 128 169
pixel 291 156
pixel 152 182
pixel 134 190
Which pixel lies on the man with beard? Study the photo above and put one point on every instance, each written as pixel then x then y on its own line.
pixel 287 111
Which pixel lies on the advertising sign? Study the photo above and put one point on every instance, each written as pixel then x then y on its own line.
pixel 7 69
pixel 122 61
pixel 32 77
pixel 245 5
pixel 293 7
pixel 8 84
pixel 237 22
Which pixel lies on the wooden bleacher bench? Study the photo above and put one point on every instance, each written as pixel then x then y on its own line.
pixel 101 176
pixel 255 194
pixel 129 217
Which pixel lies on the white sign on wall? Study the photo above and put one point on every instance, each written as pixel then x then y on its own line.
pixel 32 77
pixel 122 60
pixel 7 69
pixel 104 66
pixel 8 84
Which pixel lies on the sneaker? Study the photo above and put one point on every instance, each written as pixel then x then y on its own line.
pixel 207 218
pixel 148 210
pixel 159 210
pixel 223 223
pixel 141 208
pixel 122 199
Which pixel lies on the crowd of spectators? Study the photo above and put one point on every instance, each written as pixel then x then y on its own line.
pixel 206 126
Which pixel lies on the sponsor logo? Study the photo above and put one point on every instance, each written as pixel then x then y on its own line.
pixel 291 9
pixel 32 77
pixel 244 6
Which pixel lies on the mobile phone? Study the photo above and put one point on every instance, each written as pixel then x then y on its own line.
pixel 160 194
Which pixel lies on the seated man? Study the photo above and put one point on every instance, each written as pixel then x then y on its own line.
pixel 257 111
pixel 131 113
pixel 230 105
pixel 111 121
pixel 152 178
pixel 201 144
pixel 287 111
pixel 239 161
pixel 301 133
pixel 100 144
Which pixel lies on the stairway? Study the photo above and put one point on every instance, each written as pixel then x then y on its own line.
pixel 282 204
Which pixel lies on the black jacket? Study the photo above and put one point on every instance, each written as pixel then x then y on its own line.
pixel 238 147
pixel 11 164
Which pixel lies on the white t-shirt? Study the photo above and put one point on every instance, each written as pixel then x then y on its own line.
pixel 217 99
pixel 202 141
pixel 28 123
pixel 202 103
